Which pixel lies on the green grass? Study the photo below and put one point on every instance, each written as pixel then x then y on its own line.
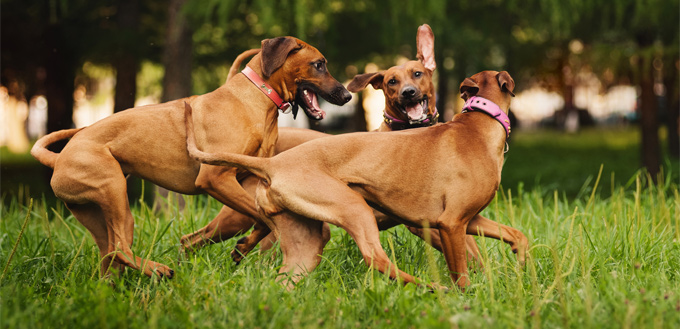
pixel 550 159
pixel 605 256
pixel 594 262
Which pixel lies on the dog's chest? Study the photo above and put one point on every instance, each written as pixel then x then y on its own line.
pixel 269 137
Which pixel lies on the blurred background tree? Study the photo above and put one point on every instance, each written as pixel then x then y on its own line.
pixel 47 44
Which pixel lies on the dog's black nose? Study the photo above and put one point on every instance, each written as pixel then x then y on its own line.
pixel 345 96
pixel 408 92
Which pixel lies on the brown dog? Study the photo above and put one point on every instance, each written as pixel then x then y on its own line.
pixel 440 177
pixel 150 142
pixel 409 103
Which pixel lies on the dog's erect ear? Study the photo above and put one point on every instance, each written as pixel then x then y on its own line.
pixel 425 45
pixel 360 81
pixel 274 53
pixel 468 88
pixel 506 82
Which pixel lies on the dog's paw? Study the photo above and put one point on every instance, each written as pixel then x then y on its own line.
pixel 237 256
pixel 434 287
pixel 164 272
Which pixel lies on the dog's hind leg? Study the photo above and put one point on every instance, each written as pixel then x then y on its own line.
pixel 268 241
pixel 91 216
pixel 302 242
pixel 96 191
pixel 337 204
pixel 120 223
pixel 362 228
pixel 432 237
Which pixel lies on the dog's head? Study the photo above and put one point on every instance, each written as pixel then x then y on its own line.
pixel 408 88
pixel 492 85
pixel 299 71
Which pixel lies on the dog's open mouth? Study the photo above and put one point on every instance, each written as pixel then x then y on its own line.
pixel 416 112
pixel 309 101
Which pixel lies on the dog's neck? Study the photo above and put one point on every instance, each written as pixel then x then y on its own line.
pixel 266 89
pixel 484 131
pixel 275 81
pixel 481 104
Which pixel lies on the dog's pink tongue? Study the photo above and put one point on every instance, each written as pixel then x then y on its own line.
pixel 315 104
pixel 415 112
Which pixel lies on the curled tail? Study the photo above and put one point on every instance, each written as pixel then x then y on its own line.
pixel 236 66
pixel 255 165
pixel 45 156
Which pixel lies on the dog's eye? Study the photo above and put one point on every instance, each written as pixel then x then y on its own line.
pixel 319 66
pixel 417 74
pixel 392 82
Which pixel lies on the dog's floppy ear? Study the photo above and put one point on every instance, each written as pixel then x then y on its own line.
pixel 274 53
pixel 468 88
pixel 360 81
pixel 506 82
pixel 425 45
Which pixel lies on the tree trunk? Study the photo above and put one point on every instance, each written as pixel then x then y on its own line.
pixel 649 124
pixel 59 84
pixel 127 62
pixel 648 118
pixel 177 60
pixel 570 121
pixel 442 93
pixel 177 54
pixel 126 82
pixel 673 107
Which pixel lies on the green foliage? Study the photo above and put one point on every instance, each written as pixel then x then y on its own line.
pixel 518 36
pixel 594 262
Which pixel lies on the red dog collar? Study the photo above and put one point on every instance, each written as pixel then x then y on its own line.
pixel 482 104
pixel 266 89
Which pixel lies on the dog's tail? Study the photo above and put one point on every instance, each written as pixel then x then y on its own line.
pixel 236 66
pixel 45 156
pixel 255 165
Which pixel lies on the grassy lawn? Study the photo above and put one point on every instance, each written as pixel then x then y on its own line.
pixel 604 254
pixel 553 160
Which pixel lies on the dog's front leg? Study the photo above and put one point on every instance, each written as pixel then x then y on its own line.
pixel 221 183
pixel 482 226
pixel 452 231
pixel 227 224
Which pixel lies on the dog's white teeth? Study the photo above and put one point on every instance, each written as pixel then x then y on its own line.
pixel 307 96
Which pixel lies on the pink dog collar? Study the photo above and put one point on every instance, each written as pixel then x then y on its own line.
pixel 482 104
pixel 266 89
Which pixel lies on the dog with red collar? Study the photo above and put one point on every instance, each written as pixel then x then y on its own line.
pixel 149 142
